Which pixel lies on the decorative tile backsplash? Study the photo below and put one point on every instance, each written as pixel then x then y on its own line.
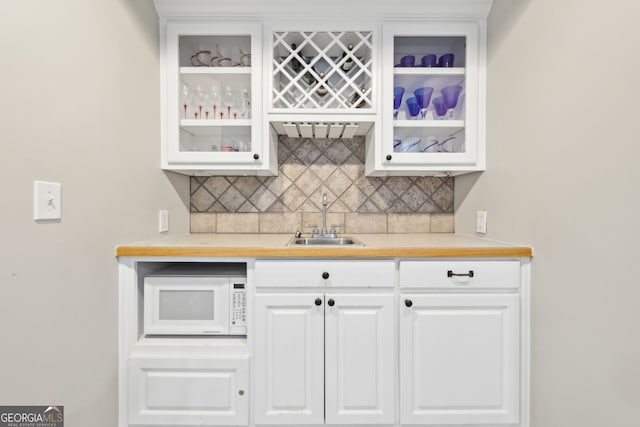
pixel 307 169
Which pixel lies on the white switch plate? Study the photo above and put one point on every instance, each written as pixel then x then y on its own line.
pixel 163 221
pixel 47 203
pixel 481 222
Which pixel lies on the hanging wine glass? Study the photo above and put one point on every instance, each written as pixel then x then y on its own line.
pixel 450 96
pixel 186 94
pixel 228 99
pixel 423 96
pixel 398 91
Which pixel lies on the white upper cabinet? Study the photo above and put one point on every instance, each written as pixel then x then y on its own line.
pixel 237 75
pixel 432 99
pixel 212 115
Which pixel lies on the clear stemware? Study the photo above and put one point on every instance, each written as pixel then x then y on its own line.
pixel 228 99
pixel 214 98
pixel 186 95
pixel 200 102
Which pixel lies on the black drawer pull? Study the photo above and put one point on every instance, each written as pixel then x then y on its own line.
pixel 450 273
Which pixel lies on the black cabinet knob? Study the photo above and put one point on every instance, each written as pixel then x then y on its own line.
pixel 325 275
pixel 388 156
pixel 331 302
pixel 256 156
pixel 408 302
pixel 318 301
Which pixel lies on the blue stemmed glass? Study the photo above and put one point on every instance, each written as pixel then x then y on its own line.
pixel 450 96
pixel 439 106
pixel 423 96
pixel 412 106
pixel 398 91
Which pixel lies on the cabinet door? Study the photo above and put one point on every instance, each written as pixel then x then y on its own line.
pixel 212 109
pixel 289 355
pixel 187 390
pixel 360 359
pixel 433 73
pixel 459 359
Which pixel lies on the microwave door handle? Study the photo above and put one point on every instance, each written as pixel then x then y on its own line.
pixel 213 331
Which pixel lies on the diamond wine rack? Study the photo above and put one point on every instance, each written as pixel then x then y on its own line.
pixel 322 71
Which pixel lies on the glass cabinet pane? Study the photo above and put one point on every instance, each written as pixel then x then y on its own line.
pixel 429 94
pixel 214 107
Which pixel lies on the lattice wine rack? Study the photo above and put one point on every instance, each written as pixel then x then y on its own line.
pixel 328 71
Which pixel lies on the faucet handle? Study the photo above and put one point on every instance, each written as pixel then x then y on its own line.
pixel 315 228
pixel 334 226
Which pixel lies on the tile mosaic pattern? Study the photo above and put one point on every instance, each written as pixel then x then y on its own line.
pixel 310 167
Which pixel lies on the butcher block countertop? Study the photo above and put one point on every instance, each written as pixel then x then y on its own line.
pixel 416 245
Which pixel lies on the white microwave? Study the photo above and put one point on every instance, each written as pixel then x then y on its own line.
pixel 192 299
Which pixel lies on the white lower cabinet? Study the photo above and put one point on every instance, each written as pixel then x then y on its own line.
pixel 459 359
pixel 324 358
pixel 187 390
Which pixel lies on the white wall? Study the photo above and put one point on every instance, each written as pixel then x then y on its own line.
pixel 79 105
pixel 563 176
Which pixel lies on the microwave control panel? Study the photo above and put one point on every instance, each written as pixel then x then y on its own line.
pixel 238 308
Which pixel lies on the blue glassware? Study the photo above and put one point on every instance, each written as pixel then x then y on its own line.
pixel 428 60
pixel 450 94
pixel 446 60
pixel 398 91
pixel 439 106
pixel 423 96
pixel 412 106
pixel 408 61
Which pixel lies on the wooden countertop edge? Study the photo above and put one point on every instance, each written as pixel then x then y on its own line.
pixel 399 252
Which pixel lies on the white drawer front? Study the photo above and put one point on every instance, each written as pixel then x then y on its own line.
pixel 184 390
pixel 276 273
pixel 460 274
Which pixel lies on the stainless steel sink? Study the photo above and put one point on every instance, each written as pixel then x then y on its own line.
pixel 324 241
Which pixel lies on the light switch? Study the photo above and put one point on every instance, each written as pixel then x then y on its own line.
pixel 47 203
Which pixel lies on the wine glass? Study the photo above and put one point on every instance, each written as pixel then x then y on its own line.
pixel 450 96
pixel 423 96
pixel 246 103
pixel 186 95
pixel 398 91
pixel 228 99
pixel 439 106
pixel 221 59
pixel 200 101
pixel 214 99
pixel 413 107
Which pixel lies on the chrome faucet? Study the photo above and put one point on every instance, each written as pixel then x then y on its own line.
pixel 324 215
pixel 323 232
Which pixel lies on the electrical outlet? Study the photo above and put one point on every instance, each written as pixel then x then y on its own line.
pixel 47 201
pixel 481 222
pixel 163 221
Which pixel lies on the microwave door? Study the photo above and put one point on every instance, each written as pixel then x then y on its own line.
pixel 187 306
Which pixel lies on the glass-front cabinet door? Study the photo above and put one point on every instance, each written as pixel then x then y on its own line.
pixel 212 103
pixel 433 98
